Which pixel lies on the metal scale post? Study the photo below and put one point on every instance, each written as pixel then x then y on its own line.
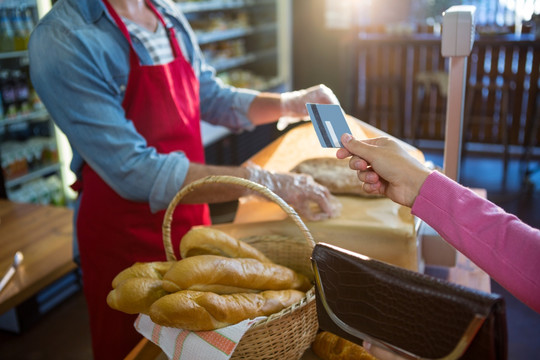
pixel 456 43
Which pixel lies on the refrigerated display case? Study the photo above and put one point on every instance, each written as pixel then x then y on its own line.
pixel 32 167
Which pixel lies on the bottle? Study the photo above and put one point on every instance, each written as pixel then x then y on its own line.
pixel 22 91
pixel 7 88
pixel 20 37
pixel 28 18
pixel 1 107
pixel 7 36
pixel 28 22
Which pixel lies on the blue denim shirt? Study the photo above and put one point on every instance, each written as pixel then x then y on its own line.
pixel 79 66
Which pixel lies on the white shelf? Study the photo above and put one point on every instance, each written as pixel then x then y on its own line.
pixel 214 5
pixel 35 115
pixel 21 121
pixel 34 174
pixel 13 54
pixel 226 64
pixel 221 35
pixel 231 63
pixel 272 83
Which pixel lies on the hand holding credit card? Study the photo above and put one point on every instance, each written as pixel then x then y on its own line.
pixel 329 123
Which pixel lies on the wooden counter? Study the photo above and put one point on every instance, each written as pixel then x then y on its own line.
pixel 44 235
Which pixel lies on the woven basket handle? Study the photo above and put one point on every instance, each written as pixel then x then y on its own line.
pixel 218 179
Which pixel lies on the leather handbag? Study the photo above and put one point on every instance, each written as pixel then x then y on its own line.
pixel 411 314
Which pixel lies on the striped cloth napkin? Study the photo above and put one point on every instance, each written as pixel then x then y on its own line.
pixel 180 344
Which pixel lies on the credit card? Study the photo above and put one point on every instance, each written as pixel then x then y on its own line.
pixel 329 123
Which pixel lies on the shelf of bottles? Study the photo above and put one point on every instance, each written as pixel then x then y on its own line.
pixel 238 38
pixel 16 24
pixel 17 19
pixel 28 148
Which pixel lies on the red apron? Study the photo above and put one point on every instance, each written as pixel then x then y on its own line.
pixel 113 233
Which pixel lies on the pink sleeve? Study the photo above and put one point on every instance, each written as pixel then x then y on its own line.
pixel 499 243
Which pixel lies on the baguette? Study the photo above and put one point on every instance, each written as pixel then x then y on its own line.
pixel 202 311
pixel 151 270
pixel 329 346
pixel 135 295
pixel 208 241
pixel 225 275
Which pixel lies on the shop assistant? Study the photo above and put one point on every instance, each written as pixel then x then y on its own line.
pixel 127 83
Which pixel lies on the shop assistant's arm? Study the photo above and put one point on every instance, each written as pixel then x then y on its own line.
pixel 82 85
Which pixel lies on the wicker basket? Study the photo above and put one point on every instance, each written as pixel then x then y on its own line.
pixel 288 333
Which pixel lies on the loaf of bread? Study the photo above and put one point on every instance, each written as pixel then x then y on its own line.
pixel 201 310
pixel 151 270
pixel 224 275
pixel 135 295
pixel 329 346
pixel 333 173
pixel 208 241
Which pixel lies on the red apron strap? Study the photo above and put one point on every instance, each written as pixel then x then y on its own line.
pixel 172 35
pixel 118 21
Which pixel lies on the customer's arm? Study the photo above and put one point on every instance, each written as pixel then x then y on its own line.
pixel 498 242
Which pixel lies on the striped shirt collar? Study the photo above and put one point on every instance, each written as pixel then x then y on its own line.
pixel 156 43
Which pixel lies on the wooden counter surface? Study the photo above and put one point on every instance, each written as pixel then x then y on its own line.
pixel 44 235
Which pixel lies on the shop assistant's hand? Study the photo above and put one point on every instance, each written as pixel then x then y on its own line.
pixel 300 191
pixel 385 168
pixel 293 104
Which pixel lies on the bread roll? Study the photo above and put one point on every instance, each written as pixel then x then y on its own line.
pixel 151 270
pixel 208 241
pixel 225 275
pixel 200 310
pixel 329 346
pixel 135 295
pixel 333 173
